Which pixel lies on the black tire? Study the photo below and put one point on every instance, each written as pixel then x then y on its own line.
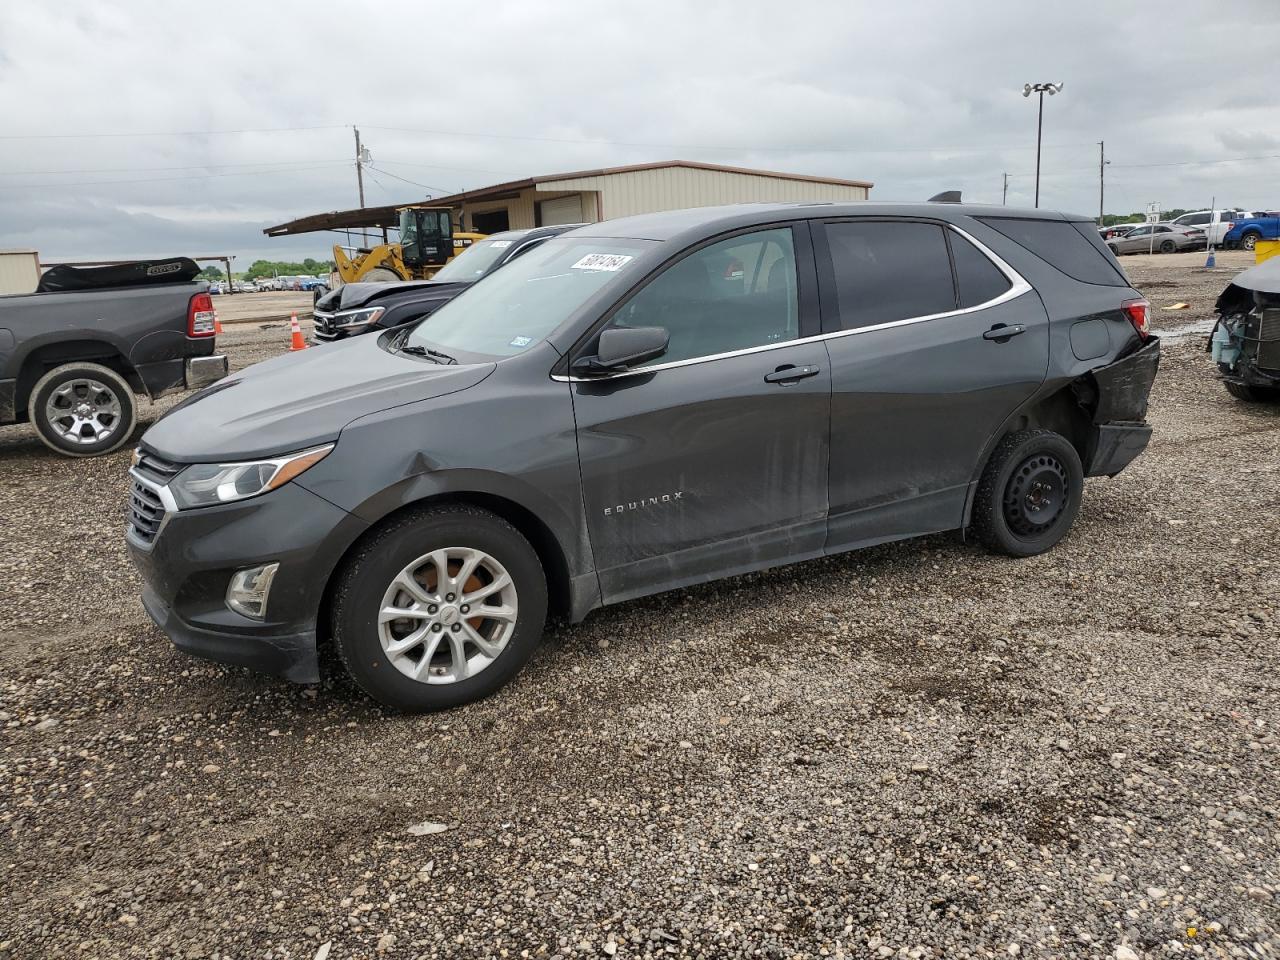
pixel 1168 246
pixel 1250 240
pixel 1115 251
pixel 59 432
pixel 1029 471
pixel 379 560
pixel 1250 394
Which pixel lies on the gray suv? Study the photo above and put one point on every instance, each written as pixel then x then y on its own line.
pixel 638 406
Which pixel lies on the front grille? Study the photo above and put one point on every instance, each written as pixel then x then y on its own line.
pixel 146 508
pixel 154 469
pixel 146 511
pixel 1269 339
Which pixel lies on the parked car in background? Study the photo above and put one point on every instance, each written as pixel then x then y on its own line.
pixel 74 353
pixel 216 287
pixel 1214 223
pixel 310 283
pixel 357 308
pixel 637 406
pixel 1117 230
pixel 1157 238
pixel 1245 233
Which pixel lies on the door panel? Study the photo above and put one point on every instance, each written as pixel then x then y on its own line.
pixel 912 408
pixel 699 471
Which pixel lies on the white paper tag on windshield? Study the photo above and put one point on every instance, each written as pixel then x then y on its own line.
pixel 603 261
pixel 500 244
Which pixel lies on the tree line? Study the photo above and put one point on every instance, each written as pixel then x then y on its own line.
pixel 273 268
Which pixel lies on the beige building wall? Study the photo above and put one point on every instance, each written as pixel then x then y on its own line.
pixel 673 188
pixel 19 271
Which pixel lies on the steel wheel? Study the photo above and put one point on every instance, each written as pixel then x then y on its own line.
pixel 447 615
pixel 83 411
pixel 1036 496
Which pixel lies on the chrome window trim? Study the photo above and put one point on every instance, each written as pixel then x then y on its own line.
pixel 166 500
pixel 1018 286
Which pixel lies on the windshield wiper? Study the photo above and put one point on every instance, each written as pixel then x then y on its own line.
pixel 419 351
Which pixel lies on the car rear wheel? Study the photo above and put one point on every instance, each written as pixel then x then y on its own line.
pixel 439 608
pixel 83 409
pixel 1251 394
pixel 1168 246
pixel 1029 493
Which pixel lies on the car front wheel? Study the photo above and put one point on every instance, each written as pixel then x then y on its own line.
pixel 1249 241
pixel 1029 493
pixel 82 409
pixel 439 608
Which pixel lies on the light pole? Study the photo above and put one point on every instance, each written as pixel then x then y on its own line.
pixel 1041 88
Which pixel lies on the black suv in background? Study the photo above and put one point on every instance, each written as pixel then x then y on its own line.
pixel 640 405
pixel 358 308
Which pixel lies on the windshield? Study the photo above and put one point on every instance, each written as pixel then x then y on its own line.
pixel 474 262
pixel 528 298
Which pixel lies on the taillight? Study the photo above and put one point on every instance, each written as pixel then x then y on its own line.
pixel 200 319
pixel 1228 224
pixel 1139 314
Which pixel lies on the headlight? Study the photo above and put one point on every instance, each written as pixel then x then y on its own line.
pixel 354 319
pixel 204 484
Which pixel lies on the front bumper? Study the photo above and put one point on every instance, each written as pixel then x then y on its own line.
pixel 187 566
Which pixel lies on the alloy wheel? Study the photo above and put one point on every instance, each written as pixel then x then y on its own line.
pixel 447 615
pixel 83 411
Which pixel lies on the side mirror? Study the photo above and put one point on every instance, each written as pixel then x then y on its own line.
pixel 622 347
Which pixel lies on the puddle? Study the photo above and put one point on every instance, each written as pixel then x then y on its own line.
pixel 1198 328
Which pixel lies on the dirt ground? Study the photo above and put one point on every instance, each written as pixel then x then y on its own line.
pixel 917 750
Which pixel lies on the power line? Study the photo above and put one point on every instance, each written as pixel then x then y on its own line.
pixel 238 173
pixel 162 133
pixel 425 186
pixel 194 166
pixel 1146 166
pixel 740 148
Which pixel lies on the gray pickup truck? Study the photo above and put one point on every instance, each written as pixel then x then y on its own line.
pixel 74 354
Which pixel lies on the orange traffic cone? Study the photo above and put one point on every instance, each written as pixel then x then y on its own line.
pixel 217 324
pixel 297 342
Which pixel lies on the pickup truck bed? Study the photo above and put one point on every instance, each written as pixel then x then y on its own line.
pixel 71 360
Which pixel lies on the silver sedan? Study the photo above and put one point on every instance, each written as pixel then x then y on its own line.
pixel 1157 238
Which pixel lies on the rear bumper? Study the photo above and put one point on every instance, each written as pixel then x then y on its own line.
pixel 203 371
pixel 182 373
pixel 1120 428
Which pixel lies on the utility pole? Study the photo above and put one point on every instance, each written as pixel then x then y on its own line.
pixel 359 167
pixel 1004 196
pixel 361 153
pixel 1102 176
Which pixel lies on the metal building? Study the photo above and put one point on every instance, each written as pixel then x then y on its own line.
pixel 591 195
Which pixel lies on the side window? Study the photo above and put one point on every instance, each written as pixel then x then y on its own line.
pixel 977 278
pixel 1194 219
pixel 732 295
pixel 887 271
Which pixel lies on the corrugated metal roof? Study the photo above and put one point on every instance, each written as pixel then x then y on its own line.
pixel 386 216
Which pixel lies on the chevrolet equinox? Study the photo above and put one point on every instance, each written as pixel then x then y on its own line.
pixel 637 406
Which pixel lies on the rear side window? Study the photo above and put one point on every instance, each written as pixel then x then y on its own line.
pixel 1059 244
pixel 977 278
pixel 889 271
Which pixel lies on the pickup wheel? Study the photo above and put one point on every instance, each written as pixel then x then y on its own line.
pixel 439 608
pixel 1251 394
pixel 1250 240
pixel 1029 493
pixel 83 409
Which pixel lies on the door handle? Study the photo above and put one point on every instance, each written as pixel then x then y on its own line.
pixel 1002 332
pixel 790 373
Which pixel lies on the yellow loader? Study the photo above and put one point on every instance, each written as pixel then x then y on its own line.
pixel 427 242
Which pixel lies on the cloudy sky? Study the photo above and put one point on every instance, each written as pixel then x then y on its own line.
pixel 137 129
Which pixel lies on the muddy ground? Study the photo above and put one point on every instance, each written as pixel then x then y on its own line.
pixel 916 750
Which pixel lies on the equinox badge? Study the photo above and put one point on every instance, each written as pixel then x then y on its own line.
pixel 644 502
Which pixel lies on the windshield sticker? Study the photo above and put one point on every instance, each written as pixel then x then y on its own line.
pixel 611 262
pixel 500 244
pixel 521 341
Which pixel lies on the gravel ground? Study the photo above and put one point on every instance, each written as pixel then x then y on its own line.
pixel 917 750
